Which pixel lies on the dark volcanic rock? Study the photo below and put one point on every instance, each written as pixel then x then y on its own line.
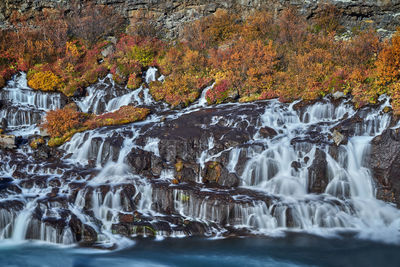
pixel 215 172
pixel 186 171
pixel 385 164
pixel 318 173
pixel 266 132
pixel 171 16
pixel 145 163
pixel 84 233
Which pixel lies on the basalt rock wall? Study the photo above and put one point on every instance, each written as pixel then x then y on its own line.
pixel 172 15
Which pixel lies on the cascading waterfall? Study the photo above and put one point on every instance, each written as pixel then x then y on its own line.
pixel 97 193
pixel 25 107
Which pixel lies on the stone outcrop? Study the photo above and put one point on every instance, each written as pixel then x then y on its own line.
pixel 7 141
pixel 173 15
pixel 318 173
pixel 385 164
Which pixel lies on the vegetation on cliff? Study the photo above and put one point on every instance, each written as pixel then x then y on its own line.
pixel 62 124
pixel 256 57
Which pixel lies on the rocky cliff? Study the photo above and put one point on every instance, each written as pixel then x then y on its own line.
pixel 173 14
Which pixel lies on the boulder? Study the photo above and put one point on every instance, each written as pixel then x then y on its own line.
pixel 385 165
pixel 186 171
pixel 337 95
pixel 267 132
pixel 338 138
pixel 84 233
pixel 215 172
pixel 318 173
pixel 145 163
pixel 109 50
pixel 8 141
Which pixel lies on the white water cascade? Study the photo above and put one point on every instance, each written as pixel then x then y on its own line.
pixel 24 107
pixel 116 182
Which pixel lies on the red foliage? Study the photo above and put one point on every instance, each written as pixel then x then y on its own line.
pixel 219 92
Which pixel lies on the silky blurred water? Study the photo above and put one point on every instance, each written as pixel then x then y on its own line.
pixel 292 250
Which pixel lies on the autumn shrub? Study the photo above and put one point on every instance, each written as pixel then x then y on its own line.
pixel 45 81
pixel 79 68
pixel 359 51
pixel 133 55
pixel 249 66
pixel 35 143
pixel 292 30
pixel 327 20
pixel 124 115
pixel 219 93
pixel 259 25
pixel 59 122
pixel 62 124
pixel 186 76
pixel 394 91
pixel 93 22
pixel 388 62
pixel 134 81
pixel 212 30
pixel 179 90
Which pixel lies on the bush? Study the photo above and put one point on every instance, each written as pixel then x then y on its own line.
pixel 388 63
pixel 45 81
pixel 36 143
pixel 93 22
pixel 212 30
pixel 62 124
pixel 134 81
pixel 133 55
pixel 219 93
pixel 59 122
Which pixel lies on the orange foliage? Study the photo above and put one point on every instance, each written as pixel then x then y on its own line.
pixel 394 90
pixel 212 30
pixel 186 76
pixel 388 63
pixel 59 122
pixel 126 114
pixel 62 124
pixel 249 66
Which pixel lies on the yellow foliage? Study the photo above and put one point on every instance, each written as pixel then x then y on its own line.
pixel 45 81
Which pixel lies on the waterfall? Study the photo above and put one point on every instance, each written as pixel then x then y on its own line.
pixel 291 176
pixel 25 107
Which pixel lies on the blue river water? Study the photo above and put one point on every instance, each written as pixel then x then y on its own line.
pixel 292 250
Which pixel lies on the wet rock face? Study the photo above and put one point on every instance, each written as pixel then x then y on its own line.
pixel 145 163
pixel 231 169
pixel 318 173
pixel 385 164
pixel 181 142
pixel 214 172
